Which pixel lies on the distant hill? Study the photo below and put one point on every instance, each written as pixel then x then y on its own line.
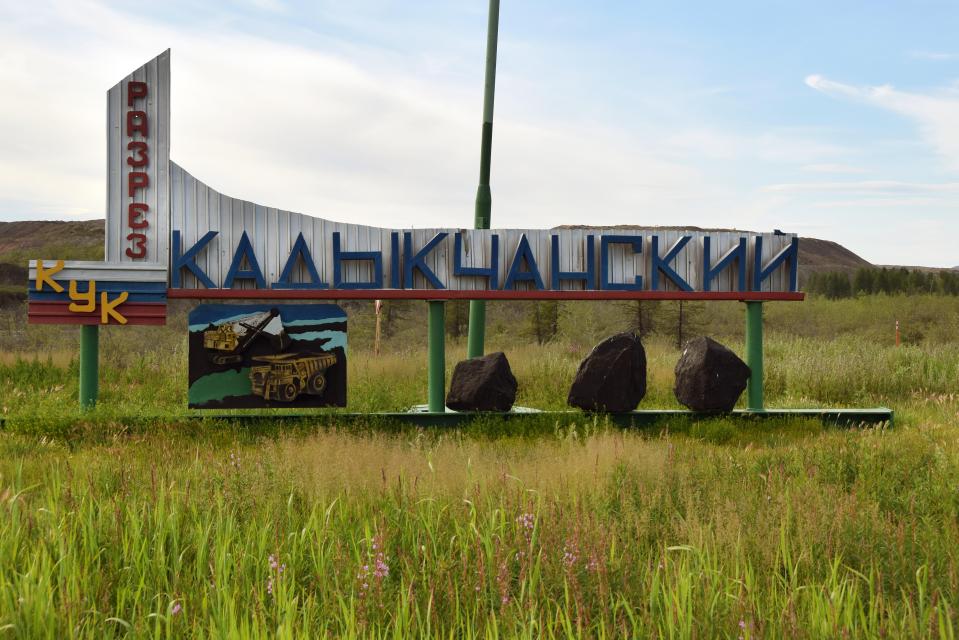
pixel 27 240
pixel 22 241
pixel 817 255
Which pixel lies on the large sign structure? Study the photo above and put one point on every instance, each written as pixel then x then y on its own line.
pixel 169 235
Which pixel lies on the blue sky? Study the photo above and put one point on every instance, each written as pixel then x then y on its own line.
pixel 834 120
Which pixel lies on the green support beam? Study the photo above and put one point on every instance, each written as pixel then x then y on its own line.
pixel 754 356
pixel 436 380
pixel 89 365
pixel 476 340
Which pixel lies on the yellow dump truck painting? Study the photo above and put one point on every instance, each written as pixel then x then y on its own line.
pixel 285 376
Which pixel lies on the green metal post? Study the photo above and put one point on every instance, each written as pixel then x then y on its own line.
pixel 89 357
pixel 754 356
pixel 484 199
pixel 476 339
pixel 437 364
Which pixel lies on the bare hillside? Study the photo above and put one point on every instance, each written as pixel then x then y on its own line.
pixel 26 240
pixel 826 255
pixel 21 241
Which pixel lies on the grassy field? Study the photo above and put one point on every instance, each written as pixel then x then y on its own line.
pixel 136 521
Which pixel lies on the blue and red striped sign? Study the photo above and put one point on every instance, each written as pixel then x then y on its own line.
pixel 73 293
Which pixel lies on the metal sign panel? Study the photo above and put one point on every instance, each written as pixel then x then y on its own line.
pixel 219 242
pixel 138 157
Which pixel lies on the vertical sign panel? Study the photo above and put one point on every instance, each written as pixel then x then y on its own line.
pixel 138 155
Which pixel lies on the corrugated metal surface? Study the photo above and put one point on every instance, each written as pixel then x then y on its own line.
pixel 475 294
pixel 197 209
pixel 179 202
pixel 83 270
pixel 156 74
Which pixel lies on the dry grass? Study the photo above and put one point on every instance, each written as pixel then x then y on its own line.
pixel 61 358
pixel 330 462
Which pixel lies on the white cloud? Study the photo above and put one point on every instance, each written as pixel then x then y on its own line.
pixel 369 133
pixel 832 168
pixel 937 56
pixel 882 202
pixel 936 114
pixel 306 130
pixel 267 5
pixel 786 146
pixel 866 186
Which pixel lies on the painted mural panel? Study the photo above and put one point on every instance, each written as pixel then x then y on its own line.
pixel 267 356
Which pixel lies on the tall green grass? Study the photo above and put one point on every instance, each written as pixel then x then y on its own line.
pixel 133 521
pixel 138 380
pixel 593 533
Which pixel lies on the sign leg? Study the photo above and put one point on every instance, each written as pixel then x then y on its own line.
pixel 89 365
pixel 477 329
pixel 754 356
pixel 437 357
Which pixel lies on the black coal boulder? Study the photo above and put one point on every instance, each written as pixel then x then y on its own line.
pixel 612 378
pixel 709 376
pixel 482 384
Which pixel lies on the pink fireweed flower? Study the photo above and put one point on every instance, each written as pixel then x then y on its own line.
pixel 503 582
pixel 276 571
pixel 382 570
pixel 176 609
pixel 372 575
pixel 526 520
pixel 592 564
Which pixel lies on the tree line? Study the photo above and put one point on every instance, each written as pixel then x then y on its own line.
pixel 539 321
pixel 870 280
pixel 680 320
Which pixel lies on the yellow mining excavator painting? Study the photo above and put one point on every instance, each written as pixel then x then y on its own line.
pixel 229 340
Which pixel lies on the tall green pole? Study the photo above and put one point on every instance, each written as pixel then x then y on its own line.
pixel 436 376
pixel 754 356
pixel 484 199
pixel 89 357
